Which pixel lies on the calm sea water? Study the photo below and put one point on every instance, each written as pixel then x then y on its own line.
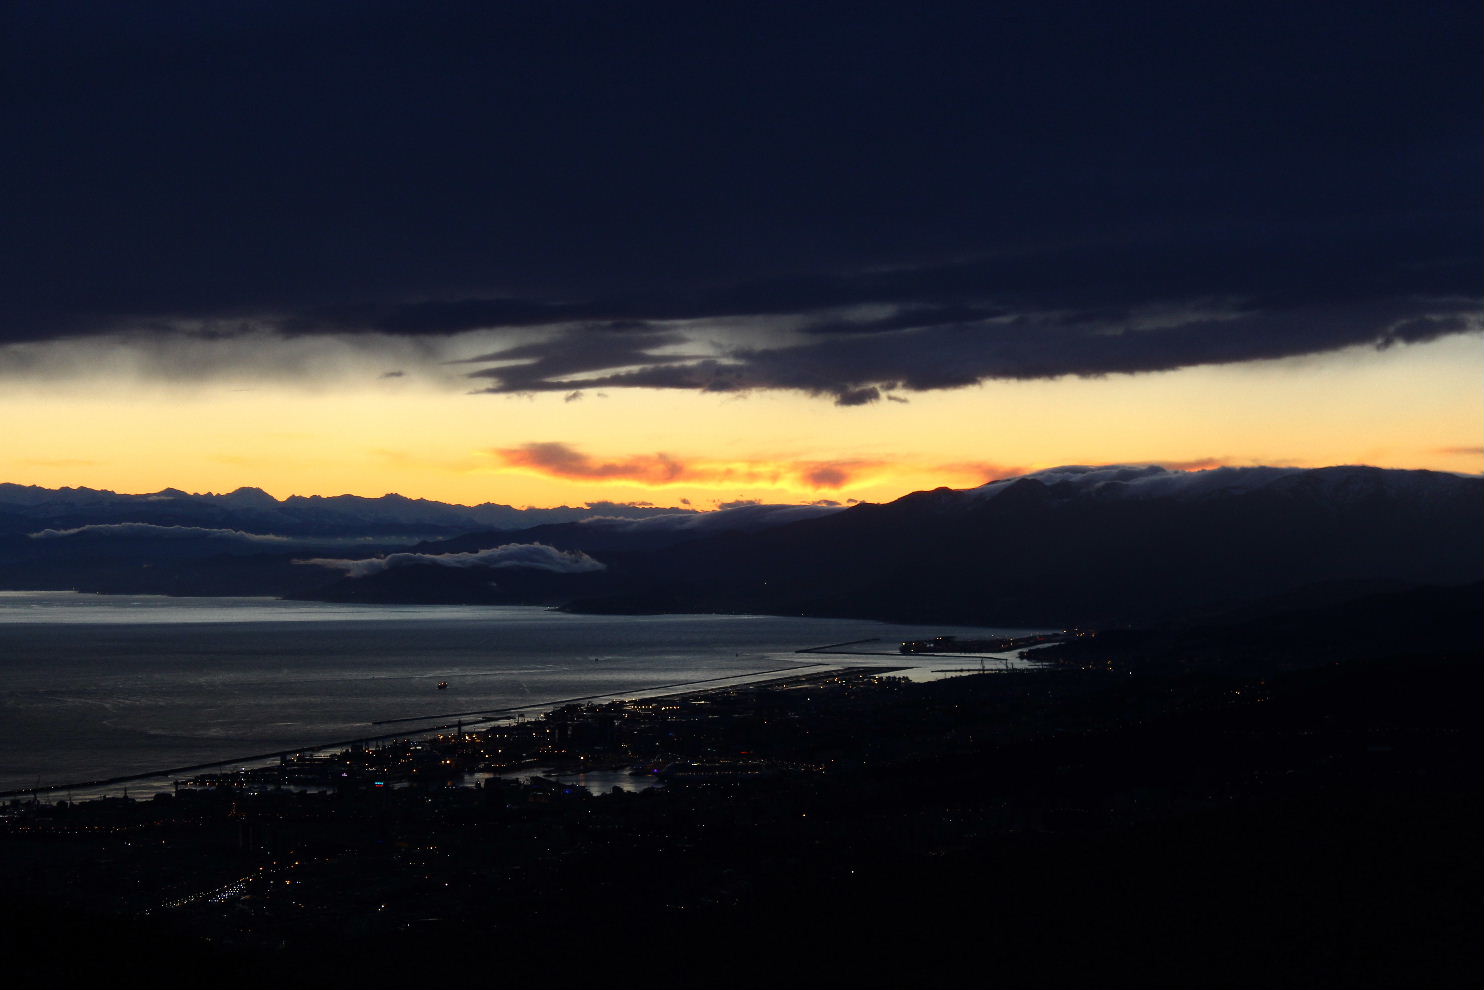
pixel 96 686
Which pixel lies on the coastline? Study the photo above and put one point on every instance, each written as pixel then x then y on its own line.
pixel 104 692
pixel 492 716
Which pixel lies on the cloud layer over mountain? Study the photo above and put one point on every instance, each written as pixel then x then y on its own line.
pixel 743 517
pixel 532 556
pixel 150 531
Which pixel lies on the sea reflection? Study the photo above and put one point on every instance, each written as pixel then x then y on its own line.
pixel 94 687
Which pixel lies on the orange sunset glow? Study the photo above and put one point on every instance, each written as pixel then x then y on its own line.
pixel 428 438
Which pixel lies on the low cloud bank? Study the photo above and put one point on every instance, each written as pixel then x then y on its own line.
pixel 532 556
pixel 155 531
pixel 745 517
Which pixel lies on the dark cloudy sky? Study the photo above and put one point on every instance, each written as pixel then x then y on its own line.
pixel 838 203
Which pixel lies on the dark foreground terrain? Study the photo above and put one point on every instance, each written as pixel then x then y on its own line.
pixel 1204 807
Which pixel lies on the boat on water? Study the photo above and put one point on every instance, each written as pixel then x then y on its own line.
pixel 442 685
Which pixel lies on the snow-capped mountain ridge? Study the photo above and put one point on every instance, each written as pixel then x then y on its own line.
pixel 27 508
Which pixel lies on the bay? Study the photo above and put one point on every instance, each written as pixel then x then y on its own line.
pixel 95 686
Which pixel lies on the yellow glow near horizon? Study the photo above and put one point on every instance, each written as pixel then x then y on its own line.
pixel 1418 406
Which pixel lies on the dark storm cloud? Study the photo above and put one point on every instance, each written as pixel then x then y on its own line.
pixel 535 366
pixel 929 195
pixel 861 370
pixel 1272 266
pixel 906 319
